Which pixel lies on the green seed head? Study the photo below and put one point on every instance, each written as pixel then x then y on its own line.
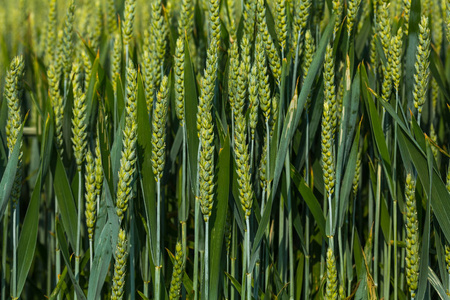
pixel 243 164
pixel 116 57
pixel 120 265
pixel 253 100
pixel 179 80
pixel 422 65
pixel 159 130
pixel 352 12
pixel 67 41
pixel 12 93
pixel 299 23
pixel 396 58
pixel 332 281
pixel 412 236
pixel 177 274
pixel 186 20
pixel 98 168
pixel 127 29
pixel 91 207
pixel 128 159
pixel 111 17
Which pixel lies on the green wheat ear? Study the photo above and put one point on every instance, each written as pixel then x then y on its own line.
pixel 91 208
pixel 177 274
pixel 422 66
pixel 120 265
pixel 78 119
pixel 128 159
pixel 159 130
pixel 299 24
pixel 179 80
pixel 12 94
pixel 412 236
pixel 127 29
pixel 243 164
pixel 331 288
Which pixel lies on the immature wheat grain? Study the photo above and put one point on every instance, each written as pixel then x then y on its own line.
pixel 352 13
pixel 331 288
pixel 179 80
pixel 185 21
pixel 78 119
pixel 177 274
pixel 406 12
pixel 412 236
pixel 111 17
pixel 67 41
pixel 127 28
pixel 57 104
pixel 422 66
pixel 90 196
pixel 128 159
pixel 159 130
pixel 158 50
pixel 12 93
pixel 271 52
pixel 281 23
pixel 310 49
pixel 329 88
pixel 249 14
pixel 120 267
pixel 299 24
pixel 50 40
pixel 214 20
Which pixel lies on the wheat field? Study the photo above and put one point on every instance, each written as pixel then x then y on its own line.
pixel 207 149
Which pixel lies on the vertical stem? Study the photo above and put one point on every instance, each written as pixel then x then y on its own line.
pixel 290 228
pixel 342 258
pixel 377 225
pixel 158 242
pixel 196 244
pixel 394 212
pixel 131 250
pixel 247 246
pixel 306 275
pixel 330 208
pixel 294 77
pixel 15 226
pixel 207 259
pixel 196 229
pixel 91 253
pixel 146 275
pixel 266 255
pixel 4 250
pixel 183 197
pixel 77 250
pixel 57 250
pixel 233 258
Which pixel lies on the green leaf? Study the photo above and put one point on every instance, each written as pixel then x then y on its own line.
pixel 28 237
pixel 296 107
pixel 440 198
pixel 65 254
pixel 436 283
pixel 425 251
pixel 310 199
pixel 66 202
pixel 219 218
pixel 100 263
pixel 236 283
pixel 147 181
pixel 9 175
pixel 190 112
pixel 347 181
